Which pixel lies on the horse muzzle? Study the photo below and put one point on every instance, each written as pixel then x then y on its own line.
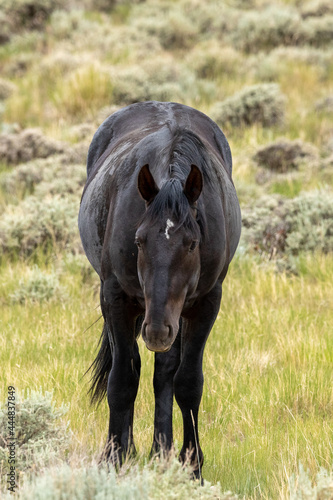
pixel 158 338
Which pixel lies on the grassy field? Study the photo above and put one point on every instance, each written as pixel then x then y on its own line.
pixel 266 417
pixel 268 397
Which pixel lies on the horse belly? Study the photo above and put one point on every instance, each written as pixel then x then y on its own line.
pixel 92 223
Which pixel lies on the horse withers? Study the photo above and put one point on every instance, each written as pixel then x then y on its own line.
pixel 159 222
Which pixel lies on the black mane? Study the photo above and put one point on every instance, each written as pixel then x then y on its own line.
pixel 186 149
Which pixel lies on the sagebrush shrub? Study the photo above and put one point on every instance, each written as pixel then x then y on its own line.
pixel 30 14
pixel 287 227
pixel 43 177
pixel 213 61
pixel 306 55
pixel 38 286
pixel 5 32
pixel 26 145
pixel 166 479
pixel 317 31
pixel 317 8
pixel 303 487
pixel 40 438
pixel 215 18
pixel 167 23
pixel 153 81
pixel 266 29
pixel 309 218
pixel 34 223
pixel 262 103
pixel 325 104
pixel 283 155
pixel 6 88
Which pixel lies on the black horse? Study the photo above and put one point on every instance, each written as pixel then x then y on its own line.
pixel 159 222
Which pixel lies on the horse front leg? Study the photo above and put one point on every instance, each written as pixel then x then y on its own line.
pixel 123 380
pixel 166 365
pixel 188 381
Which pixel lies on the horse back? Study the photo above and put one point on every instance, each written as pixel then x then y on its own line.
pixel 148 117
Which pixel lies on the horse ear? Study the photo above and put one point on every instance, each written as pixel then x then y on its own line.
pixel 146 184
pixel 193 185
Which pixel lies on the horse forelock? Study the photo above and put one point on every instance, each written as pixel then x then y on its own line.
pixel 171 202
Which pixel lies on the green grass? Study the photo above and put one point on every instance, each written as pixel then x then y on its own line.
pixel 268 400
pixel 289 187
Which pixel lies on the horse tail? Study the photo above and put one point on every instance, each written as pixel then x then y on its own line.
pixel 101 368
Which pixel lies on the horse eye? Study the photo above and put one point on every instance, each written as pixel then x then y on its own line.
pixel 193 245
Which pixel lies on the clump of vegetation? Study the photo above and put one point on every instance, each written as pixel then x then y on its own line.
pixel 6 88
pixel 151 81
pixel 173 30
pixel 317 31
pixel 26 145
pixel 284 155
pixel 166 477
pixel 38 286
pixel 213 61
pixel 310 222
pixel 325 104
pixel 40 438
pixel 303 488
pixel 87 89
pixel 317 8
pixel 272 27
pixel 287 227
pixel 34 223
pixel 262 104
pixel 266 29
pixel 42 177
pixel 28 14
pixel 312 56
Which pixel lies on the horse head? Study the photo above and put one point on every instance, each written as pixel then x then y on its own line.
pixel 168 241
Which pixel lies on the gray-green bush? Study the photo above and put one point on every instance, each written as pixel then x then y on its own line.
pixel 262 103
pixel 317 8
pixel 266 29
pixel 317 31
pixel 29 14
pixel 274 226
pixel 40 437
pixel 325 104
pixel 42 177
pixel 38 286
pixel 166 22
pixel 34 223
pixel 214 61
pixel 153 81
pixel 166 479
pixel 303 488
pixel 6 88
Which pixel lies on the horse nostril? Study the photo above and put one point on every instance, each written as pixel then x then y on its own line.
pixel 143 331
pixel 170 333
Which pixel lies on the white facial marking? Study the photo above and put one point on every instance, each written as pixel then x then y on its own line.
pixel 169 224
